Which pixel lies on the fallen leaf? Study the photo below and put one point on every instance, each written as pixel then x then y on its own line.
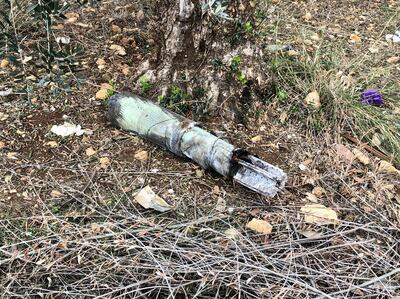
pixel 260 226
pixel 221 205
pixel 394 59
pixel 71 15
pixel 376 140
pixel 361 157
pixel 3 116
pixel 256 139
pixel 55 193
pixel 354 38
pixel 311 197
pixel 83 25
pixel 31 78
pixel 142 155
pixel 126 70
pixel 104 162
pixel 317 191
pixel 307 162
pixel 313 100
pixel 67 129
pixel 310 234
pixel 150 200
pixel 118 49
pixel 373 50
pixel 2 145
pixel 57 27
pixel 283 117
pixel 12 155
pixel 319 214
pixel 344 153
pixel 27 59
pixel 395 38
pixel 116 29
pixel 101 63
pixel 90 151
pixel 7 92
pixel 315 37
pixel 199 173
pixel 97 228
pixel 21 133
pixel 102 94
pixel 293 53
pixel 4 63
pixel 106 86
pixel 216 190
pixel 387 167
pixel 307 17
pixel 302 167
pixel 63 40
pixel 231 233
pixel 52 144
pixel 71 20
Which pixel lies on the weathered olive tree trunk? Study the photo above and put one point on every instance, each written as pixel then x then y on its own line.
pixel 190 39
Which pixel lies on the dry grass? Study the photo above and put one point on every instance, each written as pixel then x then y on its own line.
pixel 133 257
pixel 340 70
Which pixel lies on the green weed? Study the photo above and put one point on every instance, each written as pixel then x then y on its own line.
pixel 175 99
pixel 144 85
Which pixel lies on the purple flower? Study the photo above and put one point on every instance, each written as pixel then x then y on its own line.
pixel 371 97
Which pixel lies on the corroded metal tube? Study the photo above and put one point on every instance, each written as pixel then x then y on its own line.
pixel 184 138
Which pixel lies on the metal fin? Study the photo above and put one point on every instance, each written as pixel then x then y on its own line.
pixel 260 176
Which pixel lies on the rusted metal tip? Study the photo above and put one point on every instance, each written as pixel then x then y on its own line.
pixel 257 174
pixel 114 109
